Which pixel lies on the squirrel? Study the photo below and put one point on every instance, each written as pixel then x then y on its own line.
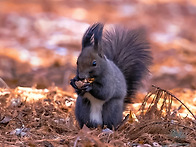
pixel 110 67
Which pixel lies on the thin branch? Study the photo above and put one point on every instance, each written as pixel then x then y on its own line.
pixel 176 99
pixel 2 81
pixel 123 122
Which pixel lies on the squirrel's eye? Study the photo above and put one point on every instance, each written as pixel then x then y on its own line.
pixel 94 63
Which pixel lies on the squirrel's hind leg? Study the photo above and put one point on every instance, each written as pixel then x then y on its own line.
pixel 112 112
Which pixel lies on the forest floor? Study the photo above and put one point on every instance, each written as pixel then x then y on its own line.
pixel 39 45
pixel 45 117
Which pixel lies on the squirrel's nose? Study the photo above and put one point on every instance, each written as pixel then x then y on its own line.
pixel 83 76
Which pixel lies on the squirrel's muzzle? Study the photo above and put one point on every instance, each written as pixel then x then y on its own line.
pixel 83 76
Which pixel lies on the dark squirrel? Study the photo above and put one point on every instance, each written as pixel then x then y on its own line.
pixel 117 60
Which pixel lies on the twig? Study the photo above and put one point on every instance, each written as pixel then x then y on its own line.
pixel 76 141
pixel 176 99
pixel 2 81
pixel 122 122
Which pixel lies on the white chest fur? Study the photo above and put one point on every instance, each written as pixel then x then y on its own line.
pixel 96 108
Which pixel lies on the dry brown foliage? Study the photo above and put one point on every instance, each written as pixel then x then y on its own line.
pixel 32 117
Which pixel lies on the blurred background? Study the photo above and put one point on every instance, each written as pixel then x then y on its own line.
pixel 41 39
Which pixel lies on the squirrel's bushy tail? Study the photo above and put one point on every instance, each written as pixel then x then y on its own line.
pixel 130 51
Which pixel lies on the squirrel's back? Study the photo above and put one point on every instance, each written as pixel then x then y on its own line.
pixel 130 51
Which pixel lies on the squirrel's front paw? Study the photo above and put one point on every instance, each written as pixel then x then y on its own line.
pixel 87 87
pixel 73 84
pixel 81 86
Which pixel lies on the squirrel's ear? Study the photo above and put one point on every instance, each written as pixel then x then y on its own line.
pixel 98 36
pixel 93 36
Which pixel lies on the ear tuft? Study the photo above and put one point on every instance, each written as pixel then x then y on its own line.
pixel 93 35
